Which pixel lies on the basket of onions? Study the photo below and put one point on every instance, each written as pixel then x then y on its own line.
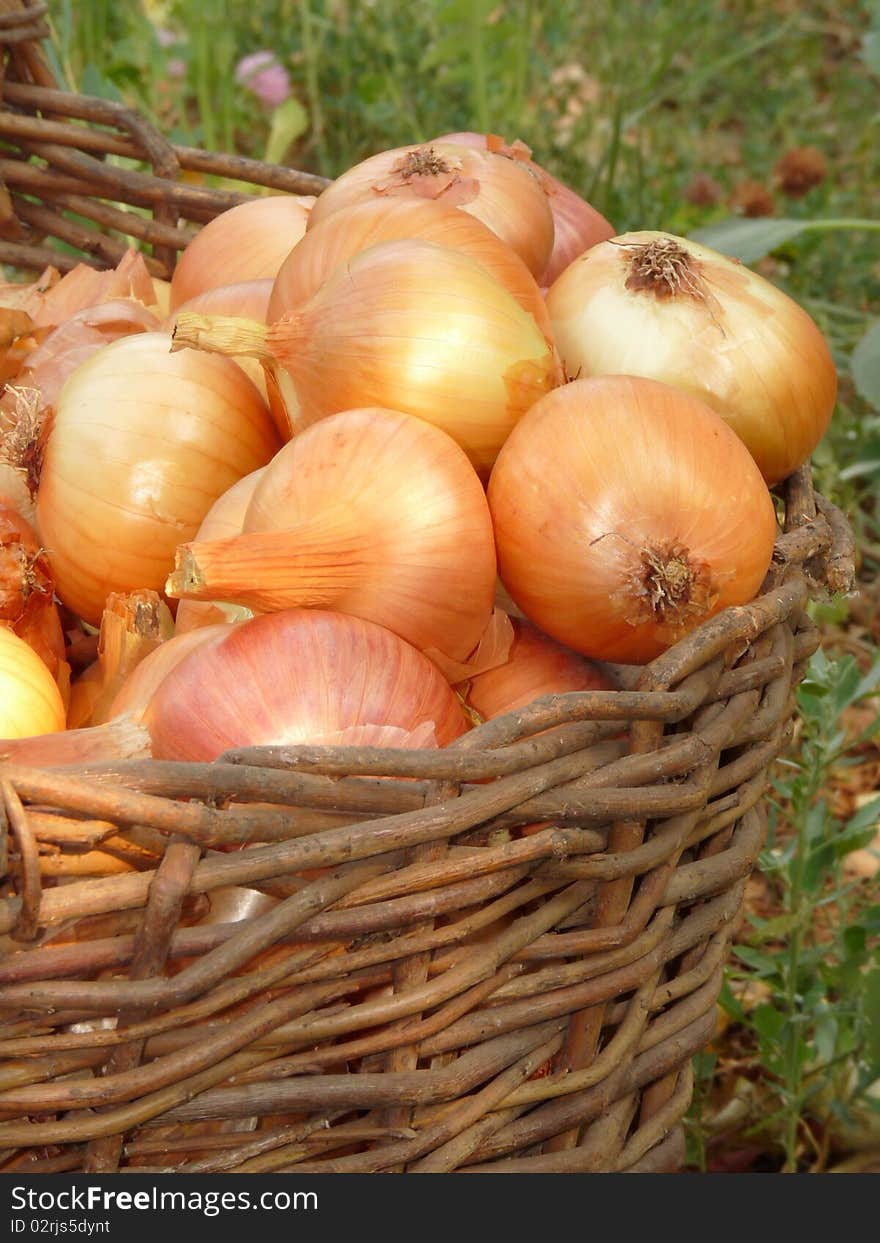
pixel 404 592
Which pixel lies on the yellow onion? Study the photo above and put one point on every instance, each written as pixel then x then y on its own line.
pixel 343 234
pixel 142 444
pixel 224 519
pixel 250 300
pixel 301 675
pixel 576 224
pixel 536 665
pixel 504 194
pixel 664 307
pixel 405 325
pixel 369 512
pixel 246 243
pixel 627 512
pixel 30 701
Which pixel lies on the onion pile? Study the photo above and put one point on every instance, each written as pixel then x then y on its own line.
pixel 599 462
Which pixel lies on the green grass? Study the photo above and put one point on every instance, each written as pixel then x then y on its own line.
pixel 628 103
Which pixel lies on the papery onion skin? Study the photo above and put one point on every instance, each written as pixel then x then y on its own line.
pixel 506 196
pixel 421 328
pixel 626 512
pixel 714 329
pixel 577 224
pixel 369 512
pixel 345 233
pixel 143 442
pixel 30 701
pixel 223 520
pixel 537 665
pixel 27 604
pixel 246 243
pixel 301 675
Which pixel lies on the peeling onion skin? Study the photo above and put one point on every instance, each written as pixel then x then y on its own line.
pixel 300 676
pixel 537 665
pixel 626 513
pixel 724 334
pixel 143 442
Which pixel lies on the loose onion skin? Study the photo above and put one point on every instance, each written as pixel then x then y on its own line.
pixel 27 604
pixel 301 675
pixel 412 326
pixel 626 513
pixel 664 307
pixel 370 512
pixel 504 194
pixel 345 233
pixel 246 243
pixel 576 224
pixel 537 665
pixel 143 442
pixel 30 701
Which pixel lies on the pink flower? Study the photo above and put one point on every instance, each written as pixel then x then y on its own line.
pixel 262 73
pixel 166 38
pixel 176 67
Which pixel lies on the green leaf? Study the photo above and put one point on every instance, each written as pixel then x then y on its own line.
pixel 865 365
pixel 749 240
pixel 289 122
pixel 768 1022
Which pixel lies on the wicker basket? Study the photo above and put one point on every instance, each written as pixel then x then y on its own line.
pixel 447 993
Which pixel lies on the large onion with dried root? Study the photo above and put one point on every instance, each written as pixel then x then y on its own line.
pixel 142 444
pixel 370 512
pixel 654 305
pixel 576 224
pixel 298 676
pixel 627 512
pixel 246 243
pixel 407 325
pixel 504 194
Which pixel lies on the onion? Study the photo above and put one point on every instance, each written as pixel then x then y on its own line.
pixel 663 307
pixel 138 688
pixel 345 233
pixel 406 325
pixel 370 512
pixel 250 300
pixel 502 193
pixel 143 442
pixel 626 513
pixel 30 701
pixel 223 520
pixel 536 665
pixel 27 604
pixel 576 224
pixel 246 243
pixel 301 675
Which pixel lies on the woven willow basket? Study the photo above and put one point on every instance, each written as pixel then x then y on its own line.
pixel 447 994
